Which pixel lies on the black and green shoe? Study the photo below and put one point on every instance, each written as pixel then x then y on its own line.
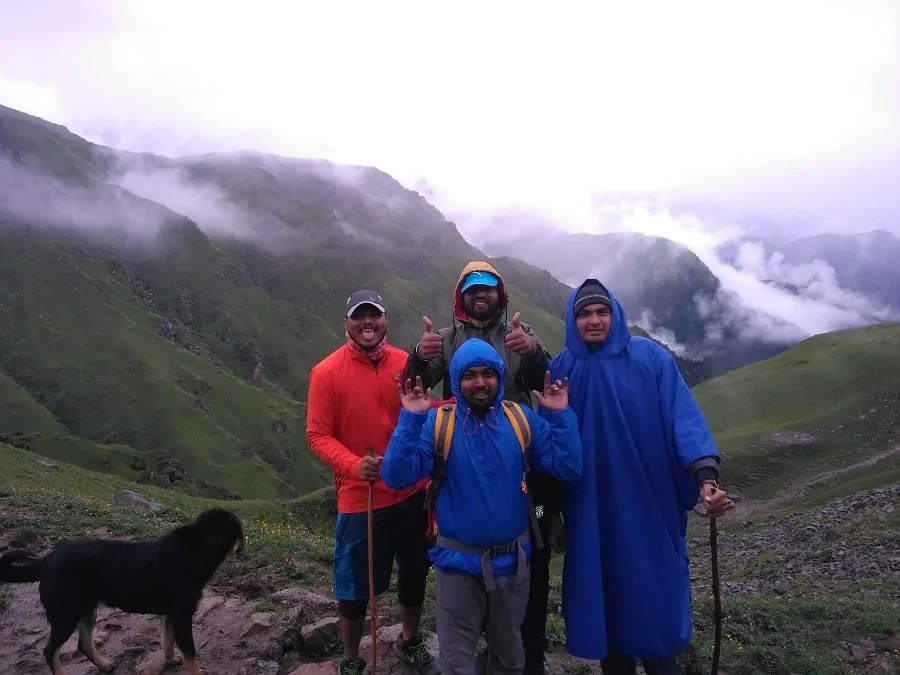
pixel 353 666
pixel 414 653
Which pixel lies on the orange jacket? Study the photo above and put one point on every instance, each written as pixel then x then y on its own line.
pixel 353 404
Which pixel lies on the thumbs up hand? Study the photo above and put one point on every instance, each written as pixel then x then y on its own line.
pixel 518 340
pixel 431 342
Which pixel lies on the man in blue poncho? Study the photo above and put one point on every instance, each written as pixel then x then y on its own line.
pixel 648 456
pixel 484 446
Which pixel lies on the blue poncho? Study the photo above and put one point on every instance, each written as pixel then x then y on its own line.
pixel 626 583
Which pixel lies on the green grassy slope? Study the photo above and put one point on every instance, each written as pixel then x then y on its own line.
pixel 826 403
pixel 19 411
pixel 140 342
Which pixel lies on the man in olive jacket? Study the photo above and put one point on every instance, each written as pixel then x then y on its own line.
pixel 480 310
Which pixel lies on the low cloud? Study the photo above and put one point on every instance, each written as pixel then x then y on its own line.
pixel 647 321
pixel 279 204
pixel 34 198
pixel 762 296
pixel 781 297
pixel 207 205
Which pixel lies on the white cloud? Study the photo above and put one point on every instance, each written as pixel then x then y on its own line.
pixel 508 105
pixel 39 100
pixel 497 104
pixel 807 296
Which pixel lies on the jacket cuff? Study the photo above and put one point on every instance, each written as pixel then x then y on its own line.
pixel 706 474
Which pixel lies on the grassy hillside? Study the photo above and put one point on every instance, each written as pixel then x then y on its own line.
pixel 828 403
pixel 161 316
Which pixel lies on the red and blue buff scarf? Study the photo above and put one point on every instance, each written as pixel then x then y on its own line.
pixel 375 354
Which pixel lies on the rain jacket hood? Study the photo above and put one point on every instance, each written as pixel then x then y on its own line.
pixel 475 352
pixel 626 583
pixel 459 312
pixel 619 335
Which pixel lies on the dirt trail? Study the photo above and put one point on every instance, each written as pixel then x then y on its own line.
pixel 795 490
pixel 232 638
pixel 293 631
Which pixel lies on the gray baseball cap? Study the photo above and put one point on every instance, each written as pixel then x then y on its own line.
pixel 360 298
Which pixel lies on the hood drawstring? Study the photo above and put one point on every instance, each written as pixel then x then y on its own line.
pixel 488 422
pixel 466 419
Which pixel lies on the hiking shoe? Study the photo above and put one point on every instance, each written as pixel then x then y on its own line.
pixel 414 653
pixel 353 666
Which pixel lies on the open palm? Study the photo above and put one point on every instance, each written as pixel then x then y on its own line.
pixel 555 397
pixel 415 399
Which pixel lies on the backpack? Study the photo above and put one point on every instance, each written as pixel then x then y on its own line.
pixel 443 436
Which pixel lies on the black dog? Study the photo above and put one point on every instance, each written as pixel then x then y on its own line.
pixel 164 576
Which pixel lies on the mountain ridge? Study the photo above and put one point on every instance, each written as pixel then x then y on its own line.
pixel 163 314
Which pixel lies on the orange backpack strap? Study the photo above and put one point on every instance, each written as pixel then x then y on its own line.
pixel 516 417
pixel 522 429
pixel 443 431
pixel 444 422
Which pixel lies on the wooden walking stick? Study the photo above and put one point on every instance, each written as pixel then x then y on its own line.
pixel 372 623
pixel 717 598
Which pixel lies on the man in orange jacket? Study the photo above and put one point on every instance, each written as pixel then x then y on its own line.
pixel 353 406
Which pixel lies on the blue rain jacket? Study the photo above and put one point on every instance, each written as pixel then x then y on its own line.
pixel 481 501
pixel 626 583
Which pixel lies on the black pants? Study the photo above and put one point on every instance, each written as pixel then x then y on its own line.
pixel 535 624
pixel 617 663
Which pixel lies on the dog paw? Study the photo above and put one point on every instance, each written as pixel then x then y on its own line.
pixel 173 661
pixel 107 666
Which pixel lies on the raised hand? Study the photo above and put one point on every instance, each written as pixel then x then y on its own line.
pixel 555 397
pixel 431 342
pixel 414 399
pixel 518 341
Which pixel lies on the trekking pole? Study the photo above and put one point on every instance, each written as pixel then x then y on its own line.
pixel 717 598
pixel 372 623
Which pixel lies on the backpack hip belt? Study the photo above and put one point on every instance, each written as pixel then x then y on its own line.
pixel 487 553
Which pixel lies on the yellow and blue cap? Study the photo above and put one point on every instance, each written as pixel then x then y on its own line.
pixel 478 279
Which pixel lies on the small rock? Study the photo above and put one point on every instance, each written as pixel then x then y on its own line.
pixel 49 465
pixel 314 603
pixel 265 668
pixel 131 498
pixel 154 664
pixel 888 643
pixel 259 622
pixel 861 654
pixel 320 637
pixel 207 604
pixel 289 629
pixel 328 668
pixel 387 636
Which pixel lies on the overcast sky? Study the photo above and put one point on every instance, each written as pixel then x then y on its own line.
pixel 789 109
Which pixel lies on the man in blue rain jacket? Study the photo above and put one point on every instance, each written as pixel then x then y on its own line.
pixel 482 545
pixel 648 457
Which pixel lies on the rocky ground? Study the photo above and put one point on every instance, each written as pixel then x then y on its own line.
pixel 850 545
pixel 246 624
pixel 242 627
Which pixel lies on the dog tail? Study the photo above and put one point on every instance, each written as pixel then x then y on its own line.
pixel 20 567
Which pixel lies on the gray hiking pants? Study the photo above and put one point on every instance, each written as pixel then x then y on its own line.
pixel 465 607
